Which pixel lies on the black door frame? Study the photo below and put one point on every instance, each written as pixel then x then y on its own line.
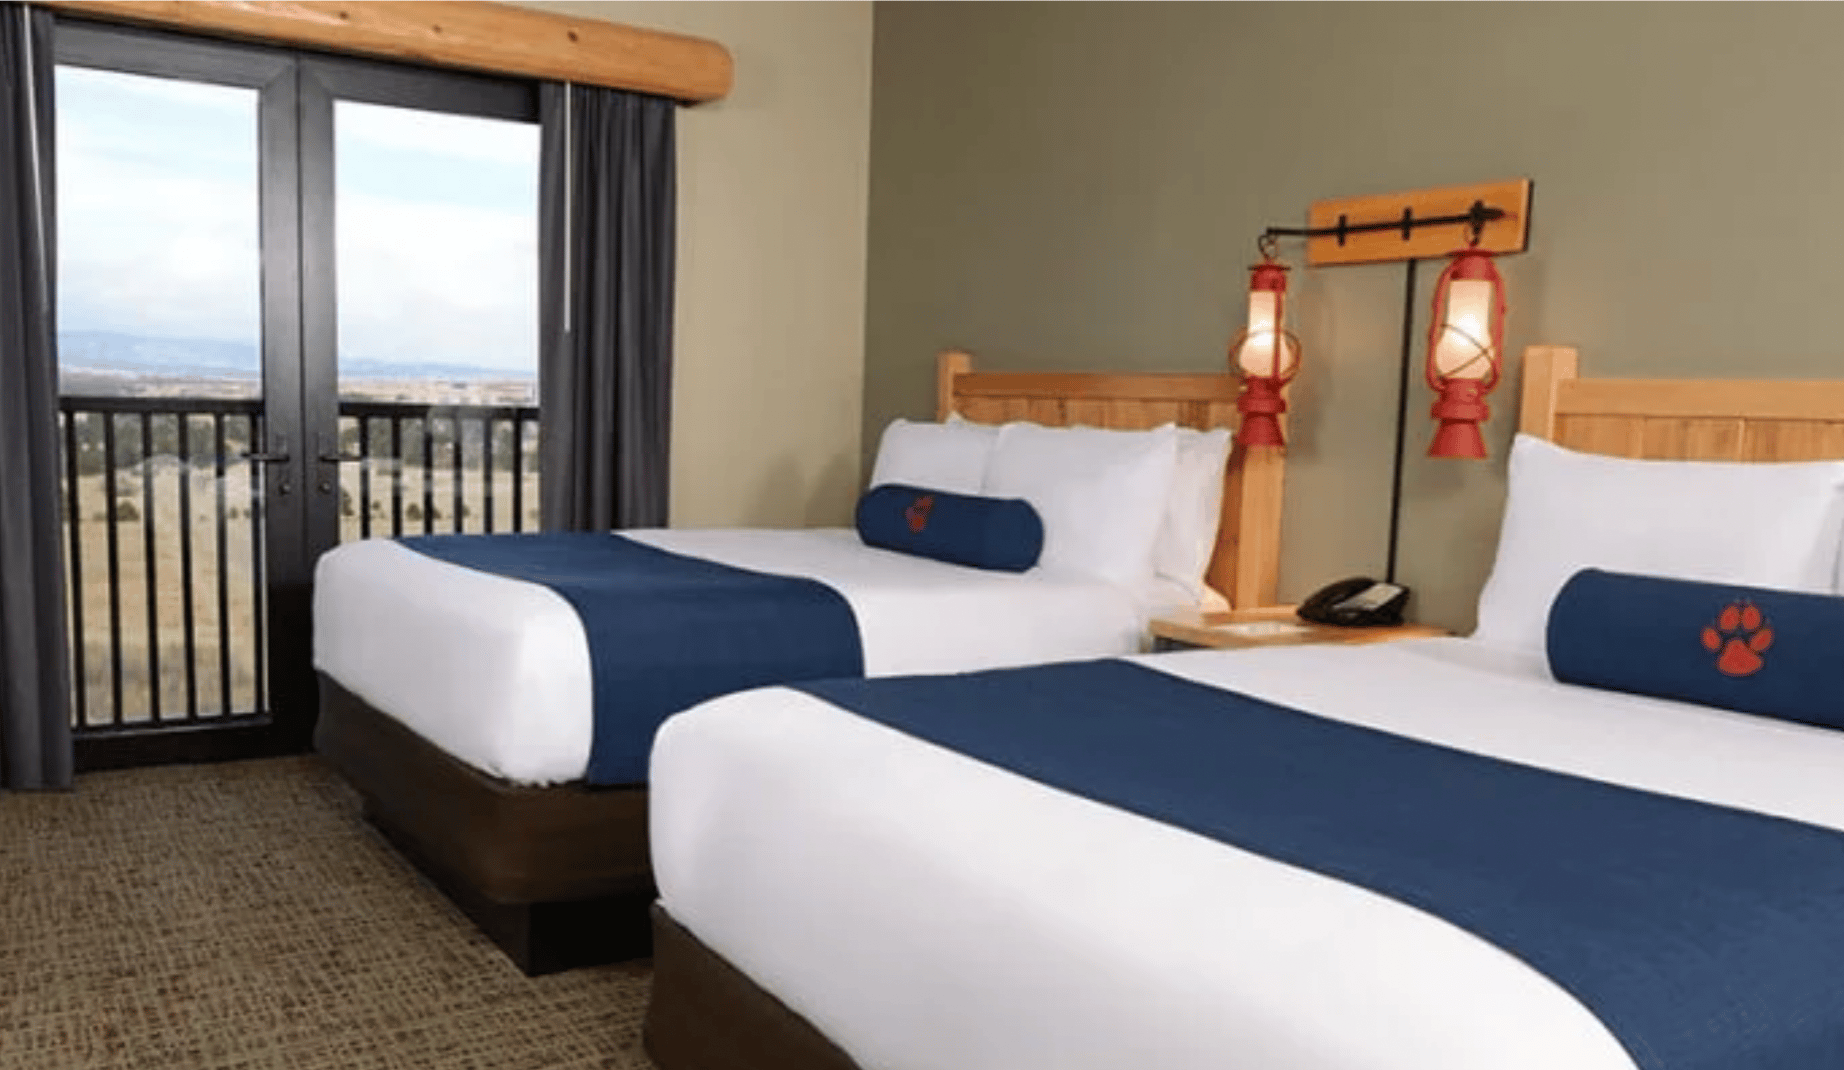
pixel 297 91
pixel 324 81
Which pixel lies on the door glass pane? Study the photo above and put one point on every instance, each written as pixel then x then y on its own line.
pixel 159 335
pixel 437 232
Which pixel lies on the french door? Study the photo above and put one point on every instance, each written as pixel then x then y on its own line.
pixel 297 305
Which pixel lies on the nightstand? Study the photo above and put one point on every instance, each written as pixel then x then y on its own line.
pixel 1240 629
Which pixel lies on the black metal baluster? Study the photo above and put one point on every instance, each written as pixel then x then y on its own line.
pixel 185 562
pixel 455 426
pixel 365 477
pixel 115 570
pixel 428 473
pixel 256 481
pixel 537 459
pixel 149 572
pixel 396 476
pixel 73 505
pixel 224 658
pixel 486 470
pixel 518 473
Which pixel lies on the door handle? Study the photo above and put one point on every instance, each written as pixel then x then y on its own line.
pixel 277 455
pixel 331 455
pixel 269 454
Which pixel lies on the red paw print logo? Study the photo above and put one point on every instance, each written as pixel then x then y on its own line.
pixel 917 513
pixel 1741 635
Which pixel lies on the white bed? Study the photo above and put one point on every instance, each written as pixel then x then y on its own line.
pixel 927 912
pixel 458 703
pixel 855 899
pixel 495 671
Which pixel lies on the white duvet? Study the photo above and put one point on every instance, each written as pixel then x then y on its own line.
pixel 495 671
pixel 928 912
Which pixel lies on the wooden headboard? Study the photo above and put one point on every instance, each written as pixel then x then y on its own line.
pixel 1246 564
pixel 1680 419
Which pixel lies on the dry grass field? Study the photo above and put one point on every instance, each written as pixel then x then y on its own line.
pixel 209 529
pixel 111 617
pixel 165 570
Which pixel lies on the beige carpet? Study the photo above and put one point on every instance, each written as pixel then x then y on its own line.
pixel 244 916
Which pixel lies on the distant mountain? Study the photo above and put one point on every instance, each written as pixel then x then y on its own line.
pixel 130 354
pixel 351 368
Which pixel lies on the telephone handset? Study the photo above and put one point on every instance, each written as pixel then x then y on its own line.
pixel 1359 602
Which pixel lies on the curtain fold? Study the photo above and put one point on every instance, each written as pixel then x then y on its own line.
pixel 35 736
pixel 607 204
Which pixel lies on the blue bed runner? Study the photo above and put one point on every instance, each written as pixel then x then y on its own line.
pixel 667 631
pixel 1703 937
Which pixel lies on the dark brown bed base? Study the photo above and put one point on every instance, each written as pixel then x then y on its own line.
pixel 558 877
pixel 706 1015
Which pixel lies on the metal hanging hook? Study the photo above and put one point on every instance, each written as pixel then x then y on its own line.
pixel 1477 217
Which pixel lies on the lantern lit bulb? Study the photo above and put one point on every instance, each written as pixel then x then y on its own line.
pixel 1464 343
pixel 1465 347
pixel 1263 345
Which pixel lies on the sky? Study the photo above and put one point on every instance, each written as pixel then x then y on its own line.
pixel 436 222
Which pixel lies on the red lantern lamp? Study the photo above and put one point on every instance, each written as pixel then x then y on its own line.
pixel 1267 355
pixel 1465 351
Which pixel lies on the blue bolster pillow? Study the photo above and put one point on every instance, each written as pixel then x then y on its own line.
pixel 1774 653
pixel 1004 534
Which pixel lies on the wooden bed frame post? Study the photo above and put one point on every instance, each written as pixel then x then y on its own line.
pixel 1252 500
pixel 1545 370
pixel 950 365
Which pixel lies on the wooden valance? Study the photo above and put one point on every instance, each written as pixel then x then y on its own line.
pixel 495 38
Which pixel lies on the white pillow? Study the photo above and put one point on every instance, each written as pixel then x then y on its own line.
pixel 1193 511
pixel 1765 525
pixel 950 457
pixel 1101 494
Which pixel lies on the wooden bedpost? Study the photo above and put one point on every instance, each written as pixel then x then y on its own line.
pixel 1252 511
pixel 1546 368
pixel 950 363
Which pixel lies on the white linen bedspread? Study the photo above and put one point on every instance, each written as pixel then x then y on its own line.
pixel 929 912
pixel 495 671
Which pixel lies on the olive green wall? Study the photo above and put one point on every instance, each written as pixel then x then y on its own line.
pixel 769 331
pixel 1081 184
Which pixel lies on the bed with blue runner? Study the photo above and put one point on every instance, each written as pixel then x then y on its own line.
pixel 666 631
pixel 1703 937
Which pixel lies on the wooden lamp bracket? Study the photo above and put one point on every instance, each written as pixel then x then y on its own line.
pixel 1415 225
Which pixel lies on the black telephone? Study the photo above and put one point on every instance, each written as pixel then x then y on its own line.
pixel 1359 602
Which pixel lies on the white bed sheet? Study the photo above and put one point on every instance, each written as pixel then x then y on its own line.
pixel 495 671
pixel 928 912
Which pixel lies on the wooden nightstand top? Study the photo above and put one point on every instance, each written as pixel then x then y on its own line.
pixel 1272 626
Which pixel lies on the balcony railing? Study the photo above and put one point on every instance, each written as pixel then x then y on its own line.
pixel 163 528
pixel 422 469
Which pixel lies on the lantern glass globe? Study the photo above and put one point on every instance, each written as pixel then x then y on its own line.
pixel 1464 349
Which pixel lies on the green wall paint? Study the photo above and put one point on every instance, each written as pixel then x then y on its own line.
pixel 1080 185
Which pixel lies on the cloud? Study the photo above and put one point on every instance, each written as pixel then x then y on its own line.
pixel 422 282
pixel 454 137
pixel 147 251
pixel 436 222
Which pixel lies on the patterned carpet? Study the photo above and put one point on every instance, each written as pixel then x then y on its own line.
pixel 244 916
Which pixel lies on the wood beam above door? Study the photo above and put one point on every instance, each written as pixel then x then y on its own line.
pixel 496 38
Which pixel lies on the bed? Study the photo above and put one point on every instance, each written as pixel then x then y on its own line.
pixel 865 899
pixel 459 726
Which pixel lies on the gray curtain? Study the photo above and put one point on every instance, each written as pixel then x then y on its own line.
pixel 607 200
pixel 35 742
